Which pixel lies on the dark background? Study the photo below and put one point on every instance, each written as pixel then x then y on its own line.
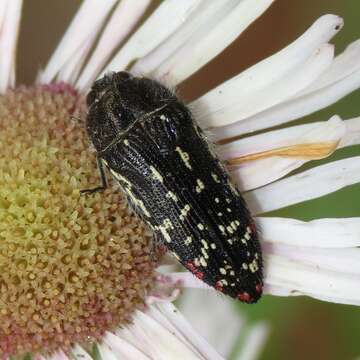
pixel 301 328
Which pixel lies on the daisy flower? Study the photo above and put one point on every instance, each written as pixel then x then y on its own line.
pixel 78 270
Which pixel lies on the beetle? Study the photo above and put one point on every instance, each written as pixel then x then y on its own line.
pixel 152 146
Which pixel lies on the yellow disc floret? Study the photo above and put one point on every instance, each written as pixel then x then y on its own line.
pixel 71 266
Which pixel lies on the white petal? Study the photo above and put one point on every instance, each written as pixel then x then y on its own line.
pixel 264 74
pixel 162 333
pixel 254 174
pixel 59 355
pixel 301 106
pixel 79 353
pixel 254 343
pixel 341 261
pixel 304 103
pixel 352 136
pixel 168 16
pixel 294 278
pixel 343 66
pixel 321 233
pixel 106 353
pixel 188 280
pixel 325 131
pixel 122 22
pixel 186 329
pixel 122 349
pixel 250 103
pixel 307 185
pixel 92 12
pixel 223 316
pixel 213 26
pixel 10 20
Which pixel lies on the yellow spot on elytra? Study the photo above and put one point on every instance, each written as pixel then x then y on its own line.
pixel 222 229
pixel 184 157
pixel 229 229
pixel 184 211
pixel 222 271
pixel 200 186
pixel 200 226
pixel 203 262
pixel 215 177
pixel 204 252
pixel 213 245
pixel 188 240
pixel 156 175
pixel 205 244
pixel 171 195
pixel 167 224
pixel 245 266
pixel 217 200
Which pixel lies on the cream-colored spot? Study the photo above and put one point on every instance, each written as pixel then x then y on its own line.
pixel 217 200
pixel 224 282
pixel 213 245
pixel 171 195
pixel 254 266
pixel 205 244
pixel 156 175
pixel 197 262
pixel 222 271
pixel 245 266
pixel 229 229
pixel 220 214
pixel 126 142
pixel 222 229
pixel 167 224
pixel 188 240
pixel 200 226
pixel 233 225
pixel 232 273
pixel 200 186
pixel 203 262
pixel 230 241
pixel 228 210
pixel 228 200
pixel 184 211
pixel 184 157
pixel 215 178
pixel 247 236
pixel 204 252
pixel 137 202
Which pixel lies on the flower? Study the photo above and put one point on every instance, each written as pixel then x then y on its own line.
pixel 301 258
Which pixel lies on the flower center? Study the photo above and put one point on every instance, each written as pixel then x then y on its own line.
pixel 72 266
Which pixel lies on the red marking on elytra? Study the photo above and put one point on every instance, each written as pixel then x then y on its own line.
pixel 218 286
pixel 244 297
pixel 192 267
pixel 253 227
pixel 259 288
